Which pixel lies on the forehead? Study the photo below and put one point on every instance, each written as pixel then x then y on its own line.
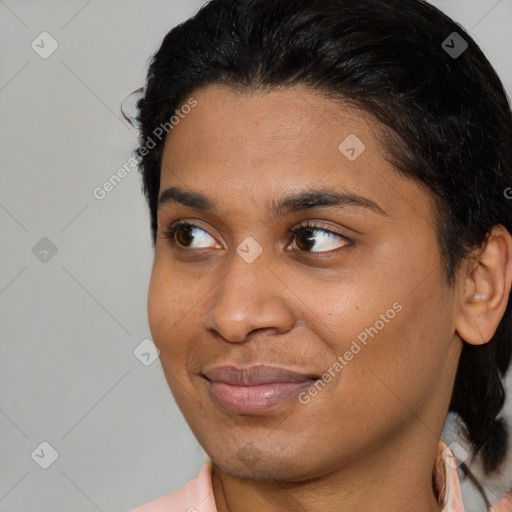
pixel 295 119
pixel 263 144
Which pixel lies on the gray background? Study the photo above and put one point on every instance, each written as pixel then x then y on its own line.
pixel 70 321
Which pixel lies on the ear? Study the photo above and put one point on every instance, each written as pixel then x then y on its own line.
pixel 485 282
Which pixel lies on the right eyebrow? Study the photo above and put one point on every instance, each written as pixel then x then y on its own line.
pixel 186 198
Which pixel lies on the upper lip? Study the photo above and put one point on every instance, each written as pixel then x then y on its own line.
pixel 254 375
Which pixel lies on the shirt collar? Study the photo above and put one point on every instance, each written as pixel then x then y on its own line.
pixel 446 480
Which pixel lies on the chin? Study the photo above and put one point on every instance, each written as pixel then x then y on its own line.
pixel 250 463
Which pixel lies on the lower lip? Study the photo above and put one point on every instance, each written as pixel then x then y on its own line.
pixel 254 399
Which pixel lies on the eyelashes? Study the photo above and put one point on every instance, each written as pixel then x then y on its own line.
pixel 182 236
pixel 186 229
pixel 306 231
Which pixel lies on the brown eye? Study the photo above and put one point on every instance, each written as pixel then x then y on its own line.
pixel 305 241
pixel 184 235
pixel 308 237
pixel 187 235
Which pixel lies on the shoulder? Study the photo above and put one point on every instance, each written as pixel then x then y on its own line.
pixel 195 496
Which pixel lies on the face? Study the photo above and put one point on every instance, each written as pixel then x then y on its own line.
pixel 298 298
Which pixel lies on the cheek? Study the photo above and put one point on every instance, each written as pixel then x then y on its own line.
pixel 403 364
pixel 344 310
pixel 173 307
pixel 158 306
pixel 394 335
pixel 164 308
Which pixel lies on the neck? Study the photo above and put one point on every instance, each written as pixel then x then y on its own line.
pixel 396 477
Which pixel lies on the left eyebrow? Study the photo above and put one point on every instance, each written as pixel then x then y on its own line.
pixel 294 202
pixel 318 198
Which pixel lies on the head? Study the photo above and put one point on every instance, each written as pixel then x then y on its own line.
pixel 268 97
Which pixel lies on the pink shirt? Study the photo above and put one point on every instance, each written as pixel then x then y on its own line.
pixel 197 495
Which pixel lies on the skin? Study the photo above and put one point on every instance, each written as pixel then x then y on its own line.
pixel 367 441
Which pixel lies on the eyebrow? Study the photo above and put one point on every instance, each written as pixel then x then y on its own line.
pixel 294 202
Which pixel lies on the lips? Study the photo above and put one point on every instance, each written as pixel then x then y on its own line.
pixel 252 390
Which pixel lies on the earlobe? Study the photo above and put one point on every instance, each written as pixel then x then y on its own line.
pixel 485 283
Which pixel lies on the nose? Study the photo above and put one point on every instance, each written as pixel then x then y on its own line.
pixel 250 297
